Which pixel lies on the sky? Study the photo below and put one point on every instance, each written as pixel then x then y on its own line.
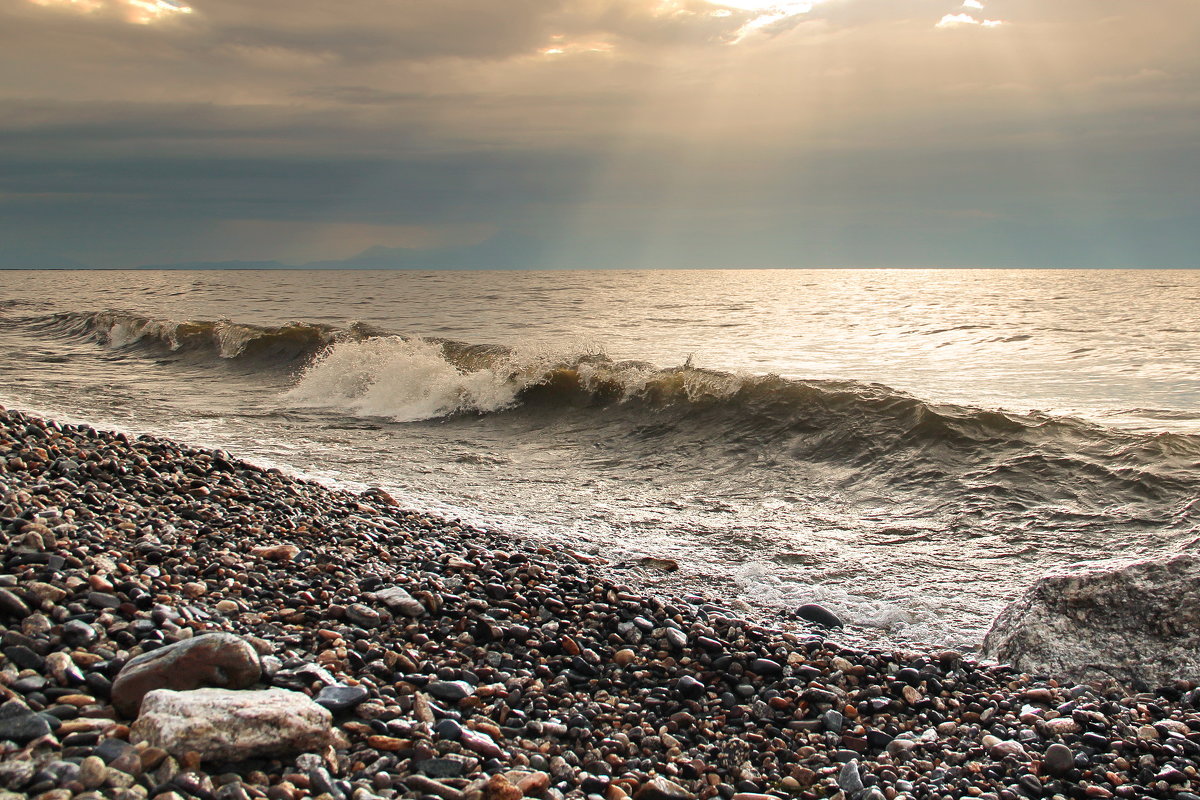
pixel 600 133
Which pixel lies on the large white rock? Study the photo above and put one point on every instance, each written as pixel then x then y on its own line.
pixel 225 725
pixel 1136 621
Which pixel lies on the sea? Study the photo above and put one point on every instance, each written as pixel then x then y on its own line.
pixel 909 448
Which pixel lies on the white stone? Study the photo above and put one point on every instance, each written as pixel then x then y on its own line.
pixel 398 599
pixel 1135 621
pixel 227 725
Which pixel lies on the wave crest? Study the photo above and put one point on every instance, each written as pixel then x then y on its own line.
pixel 224 338
pixel 404 380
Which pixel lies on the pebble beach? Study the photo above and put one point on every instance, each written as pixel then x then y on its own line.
pixel 148 585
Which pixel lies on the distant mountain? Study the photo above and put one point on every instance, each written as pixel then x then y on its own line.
pixel 220 265
pixel 502 251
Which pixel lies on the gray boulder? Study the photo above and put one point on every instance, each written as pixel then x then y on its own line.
pixel 1136 621
pixel 225 725
pixel 221 660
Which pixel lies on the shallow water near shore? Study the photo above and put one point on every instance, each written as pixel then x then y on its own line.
pixel 909 448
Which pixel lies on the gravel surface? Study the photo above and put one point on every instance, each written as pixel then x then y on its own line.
pixel 462 664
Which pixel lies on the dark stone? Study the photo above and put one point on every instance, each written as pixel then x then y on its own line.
pixel 443 767
pixel 30 684
pixel 1030 785
pixel 819 615
pixel 766 667
pixel 595 784
pixel 322 782
pixel 690 688
pixel 12 606
pixel 877 739
pixel 448 729
pixel 24 727
pixel 103 600
pixel 340 698
pixel 450 690
pixel 112 749
pixel 1058 759
pixel 24 658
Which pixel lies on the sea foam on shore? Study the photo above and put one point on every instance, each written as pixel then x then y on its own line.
pixel 501 670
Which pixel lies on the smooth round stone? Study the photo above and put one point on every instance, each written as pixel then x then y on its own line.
pixel 450 690
pixel 765 667
pixel 659 788
pixel 448 729
pixel 362 616
pixel 220 660
pixel 1058 759
pixel 819 615
pixel 12 606
pixel 77 633
pixel 341 698
pixel 24 658
pixel 22 728
pixel 93 772
pixel 690 688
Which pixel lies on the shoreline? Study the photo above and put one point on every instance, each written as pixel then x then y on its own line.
pixel 566 683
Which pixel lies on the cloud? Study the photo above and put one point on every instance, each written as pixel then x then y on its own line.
pixel 959 20
pixel 652 123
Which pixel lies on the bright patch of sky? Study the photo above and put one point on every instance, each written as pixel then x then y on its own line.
pixel 559 46
pixel 766 13
pixel 139 12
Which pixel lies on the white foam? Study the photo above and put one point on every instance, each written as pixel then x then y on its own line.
pixel 404 380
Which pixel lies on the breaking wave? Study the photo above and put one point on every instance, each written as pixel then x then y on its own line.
pixel 279 345
pixel 868 430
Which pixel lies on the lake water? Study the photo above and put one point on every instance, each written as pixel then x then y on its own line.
pixel 910 448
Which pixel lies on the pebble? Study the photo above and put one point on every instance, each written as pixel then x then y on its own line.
pixel 849 780
pixel 398 599
pixel 690 688
pixel 659 788
pixel 448 729
pixel 1058 759
pixel 23 727
pixel 466 664
pixel 450 690
pixel 13 606
pixel 93 772
pixel 819 615
pixel 363 616
pixel 339 698
pixel 624 657
pixel 220 660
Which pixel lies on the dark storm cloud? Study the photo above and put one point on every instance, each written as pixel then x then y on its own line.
pixel 604 131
